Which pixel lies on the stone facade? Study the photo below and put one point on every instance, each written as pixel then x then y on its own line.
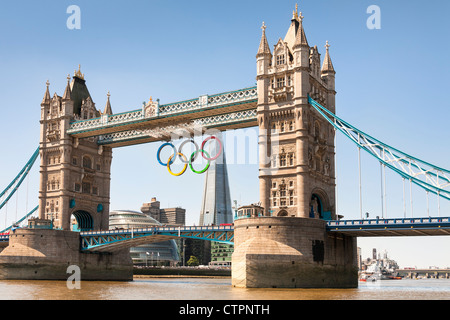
pixel 299 181
pixel 289 247
pixel 74 173
pixel 285 252
pixel 45 254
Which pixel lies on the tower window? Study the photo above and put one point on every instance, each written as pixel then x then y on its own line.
pixel 283 160
pixel 87 162
pixel 280 82
pixel 86 187
pixel 291 159
pixel 280 59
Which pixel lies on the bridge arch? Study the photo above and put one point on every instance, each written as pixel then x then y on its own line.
pixel 320 205
pixel 84 221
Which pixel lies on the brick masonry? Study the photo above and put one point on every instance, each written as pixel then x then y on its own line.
pixel 286 252
pixel 35 254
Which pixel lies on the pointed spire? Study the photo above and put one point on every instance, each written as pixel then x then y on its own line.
pixel 108 109
pixel 300 38
pixel 78 73
pixel 327 66
pixel 67 93
pixel 264 45
pixel 47 94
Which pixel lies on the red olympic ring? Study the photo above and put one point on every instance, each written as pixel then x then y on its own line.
pixel 218 153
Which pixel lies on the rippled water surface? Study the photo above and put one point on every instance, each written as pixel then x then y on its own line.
pixel 218 289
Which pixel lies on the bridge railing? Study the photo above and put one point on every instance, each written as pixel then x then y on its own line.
pixel 157 229
pixel 381 222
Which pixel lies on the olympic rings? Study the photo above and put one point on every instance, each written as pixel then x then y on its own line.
pixel 158 156
pixel 218 153
pixel 196 149
pixel 192 159
pixel 178 153
pixel 182 171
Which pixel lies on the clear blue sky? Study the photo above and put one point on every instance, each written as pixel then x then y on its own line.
pixel 392 83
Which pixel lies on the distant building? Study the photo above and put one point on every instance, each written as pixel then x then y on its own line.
pixel 169 216
pixel 216 206
pixel 160 253
pixel 216 203
pixel 221 254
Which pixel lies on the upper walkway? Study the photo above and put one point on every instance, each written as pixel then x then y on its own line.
pixel 229 110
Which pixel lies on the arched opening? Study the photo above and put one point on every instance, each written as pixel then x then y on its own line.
pixel 282 213
pixel 316 207
pixel 82 221
pixel 319 206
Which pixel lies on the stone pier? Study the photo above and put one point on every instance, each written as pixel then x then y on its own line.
pixel 290 252
pixel 40 254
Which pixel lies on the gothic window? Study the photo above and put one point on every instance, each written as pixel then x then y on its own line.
pixel 280 82
pixel 274 185
pixel 291 159
pixel 272 83
pixel 280 59
pixel 87 162
pixel 291 126
pixel 291 184
pixel 86 187
pixel 283 160
pixel 274 127
pixel 282 127
pixel 289 81
pixel 74 161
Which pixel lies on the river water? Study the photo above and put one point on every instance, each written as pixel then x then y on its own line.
pixel 218 289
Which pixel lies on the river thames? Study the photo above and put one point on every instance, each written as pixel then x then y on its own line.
pixel 218 289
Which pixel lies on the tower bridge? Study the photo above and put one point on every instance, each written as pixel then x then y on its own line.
pixel 298 239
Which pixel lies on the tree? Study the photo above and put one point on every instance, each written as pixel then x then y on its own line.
pixel 193 261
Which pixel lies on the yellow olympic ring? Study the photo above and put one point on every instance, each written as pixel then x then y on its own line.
pixel 185 165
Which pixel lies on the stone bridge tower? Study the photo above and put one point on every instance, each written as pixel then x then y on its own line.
pixel 289 245
pixel 74 173
pixel 300 179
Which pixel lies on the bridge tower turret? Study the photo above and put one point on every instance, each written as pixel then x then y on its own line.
pixel 74 173
pixel 300 180
pixel 289 246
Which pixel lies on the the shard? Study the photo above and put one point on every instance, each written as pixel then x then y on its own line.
pixel 216 204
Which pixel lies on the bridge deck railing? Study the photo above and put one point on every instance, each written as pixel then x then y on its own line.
pixel 396 221
pixel 158 229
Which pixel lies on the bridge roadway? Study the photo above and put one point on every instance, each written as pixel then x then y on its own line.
pixel 113 240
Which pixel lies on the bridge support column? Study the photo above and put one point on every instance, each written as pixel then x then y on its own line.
pixel 40 254
pixel 291 252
